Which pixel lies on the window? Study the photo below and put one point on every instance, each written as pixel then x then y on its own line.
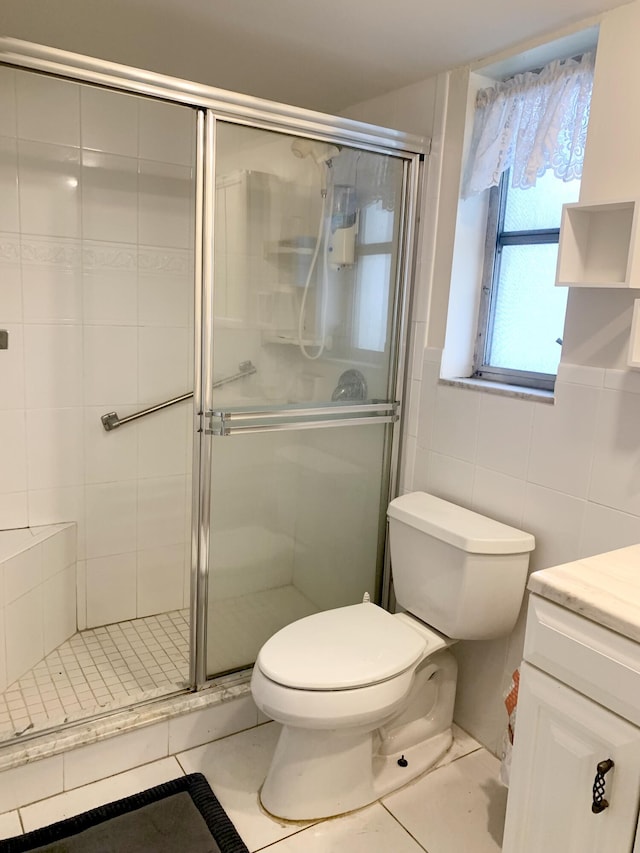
pixel 521 311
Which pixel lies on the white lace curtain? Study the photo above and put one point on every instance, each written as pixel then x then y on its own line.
pixel 531 123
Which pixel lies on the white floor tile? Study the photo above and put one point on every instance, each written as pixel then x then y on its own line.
pixel 371 830
pixel 457 807
pixel 98 793
pixel 10 825
pixel 235 767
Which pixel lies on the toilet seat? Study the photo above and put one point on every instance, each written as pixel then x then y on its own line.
pixel 341 649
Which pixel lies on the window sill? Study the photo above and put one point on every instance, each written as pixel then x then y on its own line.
pixel 501 389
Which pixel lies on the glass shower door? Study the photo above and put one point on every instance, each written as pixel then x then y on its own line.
pixel 307 253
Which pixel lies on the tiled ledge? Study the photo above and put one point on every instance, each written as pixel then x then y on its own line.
pixel 155 711
pixel 500 389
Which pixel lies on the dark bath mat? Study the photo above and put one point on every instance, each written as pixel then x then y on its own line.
pixel 181 815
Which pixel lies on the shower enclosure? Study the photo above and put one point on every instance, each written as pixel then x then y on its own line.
pixel 203 298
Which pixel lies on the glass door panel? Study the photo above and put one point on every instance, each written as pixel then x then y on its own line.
pixel 295 528
pixel 306 260
pixel 306 257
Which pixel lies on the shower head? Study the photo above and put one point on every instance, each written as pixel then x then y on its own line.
pixel 320 152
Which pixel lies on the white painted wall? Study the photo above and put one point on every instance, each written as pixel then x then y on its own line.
pixel 567 472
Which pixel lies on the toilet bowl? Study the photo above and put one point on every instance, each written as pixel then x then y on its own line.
pixel 362 676
pixel 366 697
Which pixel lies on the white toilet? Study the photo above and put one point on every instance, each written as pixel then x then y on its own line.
pixel 365 697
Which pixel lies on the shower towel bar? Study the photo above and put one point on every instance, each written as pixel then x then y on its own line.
pixel 111 420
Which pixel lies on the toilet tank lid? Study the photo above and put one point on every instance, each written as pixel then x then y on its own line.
pixel 469 531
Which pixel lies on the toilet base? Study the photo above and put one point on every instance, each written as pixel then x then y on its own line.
pixel 329 776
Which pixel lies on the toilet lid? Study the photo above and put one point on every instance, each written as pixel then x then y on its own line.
pixel 338 649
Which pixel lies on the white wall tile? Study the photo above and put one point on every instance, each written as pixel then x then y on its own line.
pixel 109 197
pixel 14 510
pixel 109 121
pixel 498 496
pixel 615 479
pixel 110 365
pixel 12 379
pixel 165 204
pixel 53 366
pixel 111 590
pixel 581 374
pixel 22 573
pixel 162 442
pixel 24 633
pixel 161 511
pixel 48 109
pixel 110 456
pixel 165 300
pixel 99 793
pixel 81 595
pixel 110 297
pixel 8 117
pixel 160 579
pixel 605 529
pixel 10 288
pixel 450 479
pixel 60 619
pixel 418 340
pixel 31 782
pixel 50 506
pixel 13 451
pixel 408 464
pixel 555 519
pixel 111 518
pixel 9 210
pixel 456 422
pixel 114 755
pixel 51 294
pixel 622 380
pixel 563 439
pixel 59 551
pixel 55 448
pixel 211 723
pixel 166 132
pixel 162 363
pixel 412 407
pixel 49 187
pixel 504 434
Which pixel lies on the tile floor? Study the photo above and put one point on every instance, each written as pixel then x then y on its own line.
pixel 457 807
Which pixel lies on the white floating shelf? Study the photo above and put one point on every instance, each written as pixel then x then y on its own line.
pixel 598 245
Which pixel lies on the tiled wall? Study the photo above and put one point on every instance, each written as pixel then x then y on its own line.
pixel 37 595
pixel 566 472
pixel 96 293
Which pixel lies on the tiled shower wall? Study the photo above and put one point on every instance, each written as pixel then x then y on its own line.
pixel 96 294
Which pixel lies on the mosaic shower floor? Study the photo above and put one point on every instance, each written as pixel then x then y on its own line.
pixel 98 670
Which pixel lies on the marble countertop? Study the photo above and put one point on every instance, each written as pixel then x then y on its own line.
pixel 604 589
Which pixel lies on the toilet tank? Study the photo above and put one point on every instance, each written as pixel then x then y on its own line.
pixel 460 572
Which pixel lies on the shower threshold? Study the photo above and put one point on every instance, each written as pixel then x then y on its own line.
pixel 97 671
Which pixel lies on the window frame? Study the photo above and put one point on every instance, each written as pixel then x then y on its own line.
pixel 496 239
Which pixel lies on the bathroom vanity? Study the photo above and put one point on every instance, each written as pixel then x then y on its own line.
pixel 575 776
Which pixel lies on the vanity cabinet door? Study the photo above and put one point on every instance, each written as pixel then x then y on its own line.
pixel 561 736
